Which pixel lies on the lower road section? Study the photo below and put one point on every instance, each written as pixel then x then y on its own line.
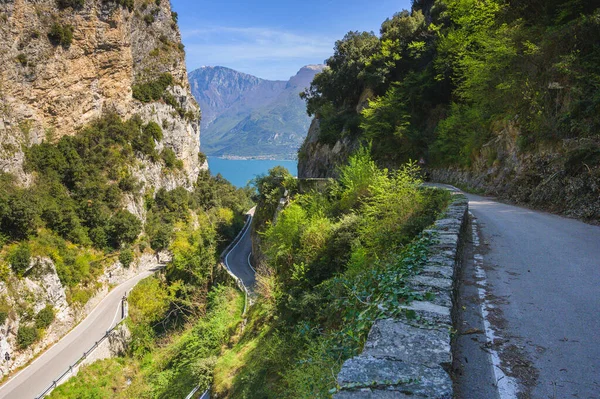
pixel 36 377
pixel 238 259
pixel 538 278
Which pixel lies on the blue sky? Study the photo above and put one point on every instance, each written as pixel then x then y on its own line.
pixel 272 39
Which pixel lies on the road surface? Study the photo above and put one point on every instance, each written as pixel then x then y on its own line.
pixel 35 378
pixel 539 281
pixel 238 261
pixel 238 258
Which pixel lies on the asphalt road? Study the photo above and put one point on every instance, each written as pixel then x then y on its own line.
pixel 543 295
pixel 35 378
pixel 238 258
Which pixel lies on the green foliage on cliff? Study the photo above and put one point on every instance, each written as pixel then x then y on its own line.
pixel 70 3
pixel 61 34
pixel 74 210
pixel 152 90
pixel 44 317
pixel 447 77
pixel 20 258
pixel 26 336
pixel 336 260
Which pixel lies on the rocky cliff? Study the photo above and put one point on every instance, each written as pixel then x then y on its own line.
pixel 563 179
pixel 65 63
pixel 320 159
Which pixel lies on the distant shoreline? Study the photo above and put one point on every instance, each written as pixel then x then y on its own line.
pixel 252 158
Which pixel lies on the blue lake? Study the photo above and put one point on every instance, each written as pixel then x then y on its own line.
pixel 241 171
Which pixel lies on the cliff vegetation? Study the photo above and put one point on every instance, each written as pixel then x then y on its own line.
pixel 498 95
pixel 335 259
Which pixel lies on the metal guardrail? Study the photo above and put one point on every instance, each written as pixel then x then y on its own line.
pixel 106 335
pixel 79 361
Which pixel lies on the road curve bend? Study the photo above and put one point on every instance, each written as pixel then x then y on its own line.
pixel 238 259
pixel 35 378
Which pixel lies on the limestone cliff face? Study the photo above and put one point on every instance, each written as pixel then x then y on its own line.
pixel 558 179
pixel 48 89
pixel 318 159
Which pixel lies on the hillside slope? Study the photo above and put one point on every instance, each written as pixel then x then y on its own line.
pixel 96 120
pixel 502 97
pixel 246 116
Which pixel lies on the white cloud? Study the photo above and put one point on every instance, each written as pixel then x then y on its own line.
pixel 231 46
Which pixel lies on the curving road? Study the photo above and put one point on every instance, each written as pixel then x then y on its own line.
pixel 238 259
pixel 36 377
pixel 538 277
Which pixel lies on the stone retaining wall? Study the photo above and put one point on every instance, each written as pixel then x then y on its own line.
pixel 410 358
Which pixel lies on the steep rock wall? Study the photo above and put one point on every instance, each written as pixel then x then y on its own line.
pixel 563 178
pixel 48 90
pixel 318 159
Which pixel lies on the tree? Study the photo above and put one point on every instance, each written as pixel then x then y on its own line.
pixel 20 259
pixel 45 317
pixel 126 257
pixel 26 336
pixel 124 228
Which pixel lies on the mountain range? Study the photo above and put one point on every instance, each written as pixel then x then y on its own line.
pixel 245 116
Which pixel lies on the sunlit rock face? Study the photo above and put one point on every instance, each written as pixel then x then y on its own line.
pixel 48 90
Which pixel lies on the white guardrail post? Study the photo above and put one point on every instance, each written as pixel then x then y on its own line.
pixel 74 365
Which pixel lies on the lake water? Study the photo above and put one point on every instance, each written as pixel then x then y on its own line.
pixel 241 171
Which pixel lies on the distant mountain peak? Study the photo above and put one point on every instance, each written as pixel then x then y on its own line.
pixel 244 115
pixel 314 67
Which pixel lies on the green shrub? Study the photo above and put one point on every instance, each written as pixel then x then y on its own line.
pixel 149 19
pixel 45 317
pixel 126 3
pixel 20 259
pixel 152 129
pixel 70 3
pixel 162 237
pixel 22 214
pixel 126 257
pixel 174 16
pixel 129 184
pixel 22 58
pixel 4 311
pixel 153 90
pixel 168 155
pixel 26 336
pixel 61 34
pixel 124 228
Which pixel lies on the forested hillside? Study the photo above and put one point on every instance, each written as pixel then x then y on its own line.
pixel 502 96
pixel 101 176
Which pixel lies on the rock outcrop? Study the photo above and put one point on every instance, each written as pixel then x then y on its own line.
pixel 51 85
pixel 320 159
